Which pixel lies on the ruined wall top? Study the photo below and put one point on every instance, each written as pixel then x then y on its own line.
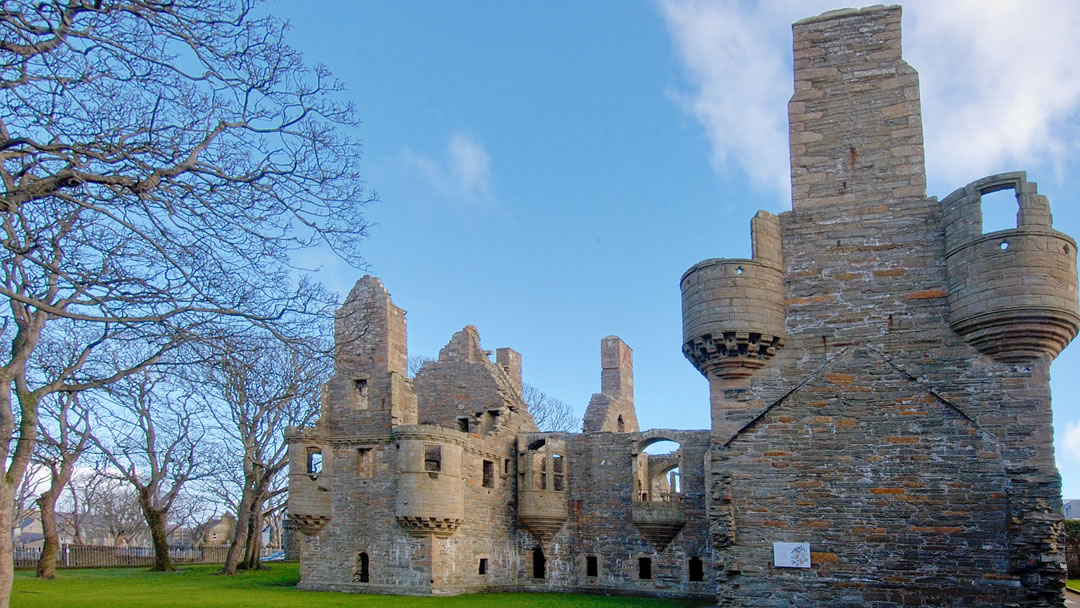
pixel 612 409
pixel 855 117
pixel 369 331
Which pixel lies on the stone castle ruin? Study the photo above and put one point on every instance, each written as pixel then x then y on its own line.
pixel 879 378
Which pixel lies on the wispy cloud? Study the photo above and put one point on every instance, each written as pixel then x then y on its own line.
pixel 463 174
pixel 999 82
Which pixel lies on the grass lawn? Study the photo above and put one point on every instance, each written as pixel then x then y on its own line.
pixel 1073 584
pixel 198 586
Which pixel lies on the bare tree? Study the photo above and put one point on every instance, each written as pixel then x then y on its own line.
pixel 26 494
pixel 549 413
pixel 254 390
pixel 161 164
pixel 416 362
pixel 100 508
pixel 65 435
pixel 151 437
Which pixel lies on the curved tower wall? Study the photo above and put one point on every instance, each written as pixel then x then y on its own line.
pixel 430 498
pixel 1012 293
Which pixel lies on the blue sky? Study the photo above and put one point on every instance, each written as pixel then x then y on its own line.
pixel 548 170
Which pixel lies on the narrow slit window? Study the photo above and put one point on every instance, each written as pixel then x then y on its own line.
pixel 489 474
pixel 644 567
pixel 506 466
pixel 697 570
pixel 591 566
pixel 314 461
pixel 432 458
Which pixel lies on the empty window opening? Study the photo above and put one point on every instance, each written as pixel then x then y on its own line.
pixel 364 462
pixel 489 474
pixel 999 210
pixel 539 562
pixel 506 466
pixel 360 389
pixel 540 471
pixel 621 425
pixel 644 567
pixel 482 570
pixel 432 458
pixel 557 471
pixel 361 574
pixel 591 565
pixel 314 461
pixel 697 570
pixel 463 424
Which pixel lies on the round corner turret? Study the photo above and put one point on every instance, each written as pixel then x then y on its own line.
pixel 1012 293
pixel 733 315
pixel 430 497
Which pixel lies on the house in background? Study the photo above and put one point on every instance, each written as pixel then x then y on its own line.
pixel 1072 509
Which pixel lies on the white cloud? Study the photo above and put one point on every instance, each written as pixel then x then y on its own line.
pixel 464 173
pixel 1000 82
pixel 1070 443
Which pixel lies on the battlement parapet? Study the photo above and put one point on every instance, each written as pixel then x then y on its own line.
pixel 1012 293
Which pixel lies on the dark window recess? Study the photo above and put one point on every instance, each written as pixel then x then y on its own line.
pixel 557 463
pixel 506 466
pixel 539 563
pixel 558 483
pixel 483 566
pixel 644 567
pixel 432 458
pixel 314 461
pixel 591 566
pixel 489 474
pixel 463 424
pixel 362 575
pixel 621 425
pixel 697 570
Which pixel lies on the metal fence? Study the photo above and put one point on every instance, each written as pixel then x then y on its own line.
pixel 95 556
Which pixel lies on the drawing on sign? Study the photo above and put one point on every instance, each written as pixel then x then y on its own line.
pixel 791 555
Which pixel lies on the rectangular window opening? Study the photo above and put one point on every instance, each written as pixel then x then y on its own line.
pixel 432 458
pixel 557 463
pixel 489 474
pixel 591 566
pixel 697 570
pixel 558 483
pixel 644 568
pixel 361 392
pixel 314 461
pixel 364 466
pixel 463 424
pixel 506 466
pixel 482 570
pixel 539 563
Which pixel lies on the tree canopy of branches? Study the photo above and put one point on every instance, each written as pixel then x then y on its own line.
pixel 150 436
pixel 549 413
pixel 161 165
pixel 254 390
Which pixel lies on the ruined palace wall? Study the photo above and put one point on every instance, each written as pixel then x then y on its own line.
pixel 919 469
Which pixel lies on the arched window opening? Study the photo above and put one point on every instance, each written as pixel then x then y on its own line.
pixel 361 574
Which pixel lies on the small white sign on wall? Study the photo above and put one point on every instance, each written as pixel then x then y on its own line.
pixel 791 555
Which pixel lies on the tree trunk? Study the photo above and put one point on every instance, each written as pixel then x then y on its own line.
pixel 239 536
pixel 46 567
pixel 254 543
pixel 155 519
pixel 7 545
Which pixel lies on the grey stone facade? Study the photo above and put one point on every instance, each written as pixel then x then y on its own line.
pixel 879 381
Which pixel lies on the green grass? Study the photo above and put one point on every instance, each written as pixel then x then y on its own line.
pixel 198 586
pixel 1073 584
